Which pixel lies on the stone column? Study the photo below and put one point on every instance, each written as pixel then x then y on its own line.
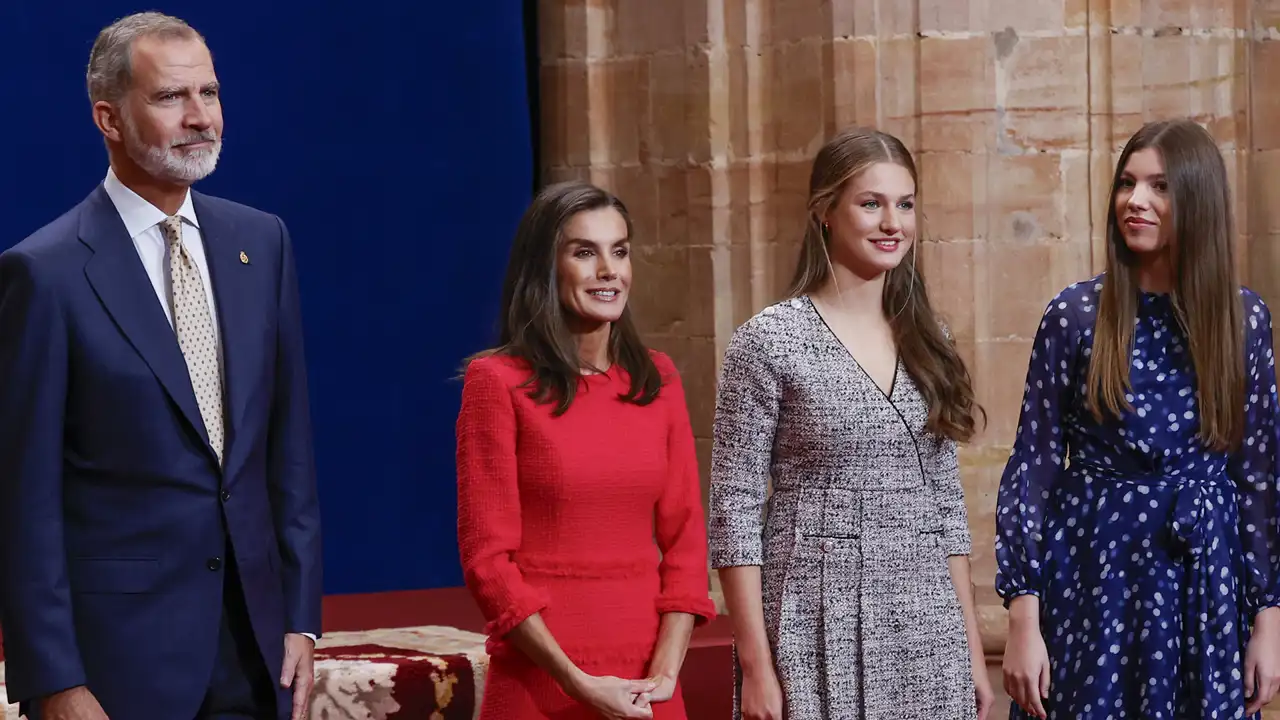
pixel 1261 218
pixel 704 115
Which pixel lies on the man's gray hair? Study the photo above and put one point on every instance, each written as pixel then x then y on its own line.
pixel 110 61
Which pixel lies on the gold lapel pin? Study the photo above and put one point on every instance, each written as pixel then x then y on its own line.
pixel 244 258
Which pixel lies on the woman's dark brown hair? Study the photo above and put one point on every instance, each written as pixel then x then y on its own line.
pixel 927 353
pixel 1205 294
pixel 533 323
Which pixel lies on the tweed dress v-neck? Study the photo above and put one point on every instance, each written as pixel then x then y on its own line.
pixel 866 507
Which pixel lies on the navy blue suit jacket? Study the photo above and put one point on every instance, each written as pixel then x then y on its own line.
pixel 114 513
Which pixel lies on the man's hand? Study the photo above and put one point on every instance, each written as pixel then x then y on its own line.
pixel 299 671
pixel 77 703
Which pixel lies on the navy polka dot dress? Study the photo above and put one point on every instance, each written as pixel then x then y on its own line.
pixel 1150 554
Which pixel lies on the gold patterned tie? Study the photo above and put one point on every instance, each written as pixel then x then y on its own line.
pixel 193 324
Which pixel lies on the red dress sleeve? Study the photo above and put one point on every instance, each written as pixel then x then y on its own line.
pixel 489 501
pixel 681 522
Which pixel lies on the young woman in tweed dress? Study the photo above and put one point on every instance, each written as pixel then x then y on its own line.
pixel 851 598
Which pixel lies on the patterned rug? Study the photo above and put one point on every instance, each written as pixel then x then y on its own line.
pixel 414 673
pixel 10 711
pixel 417 673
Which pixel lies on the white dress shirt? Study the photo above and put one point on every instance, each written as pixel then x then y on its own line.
pixel 142 221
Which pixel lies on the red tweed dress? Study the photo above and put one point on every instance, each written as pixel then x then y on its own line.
pixel 593 519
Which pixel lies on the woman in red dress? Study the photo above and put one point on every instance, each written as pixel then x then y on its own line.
pixel 574 456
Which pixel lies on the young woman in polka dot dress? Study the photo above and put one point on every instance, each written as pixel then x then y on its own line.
pixel 1137 522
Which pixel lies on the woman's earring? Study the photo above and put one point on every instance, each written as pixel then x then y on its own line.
pixel 826 232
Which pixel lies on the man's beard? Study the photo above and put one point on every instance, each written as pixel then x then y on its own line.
pixel 169 163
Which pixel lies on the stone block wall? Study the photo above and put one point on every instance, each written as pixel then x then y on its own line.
pixel 704 115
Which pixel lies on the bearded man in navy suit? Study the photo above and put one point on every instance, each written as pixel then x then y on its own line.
pixel 160 533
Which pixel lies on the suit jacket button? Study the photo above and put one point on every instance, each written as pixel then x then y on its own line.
pixel 215 564
pixel 226 495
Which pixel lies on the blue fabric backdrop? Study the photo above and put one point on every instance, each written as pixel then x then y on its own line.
pixel 393 137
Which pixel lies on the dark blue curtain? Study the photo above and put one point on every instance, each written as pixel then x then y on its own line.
pixel 394 139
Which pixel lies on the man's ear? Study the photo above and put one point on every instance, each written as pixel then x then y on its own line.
pixel 107 117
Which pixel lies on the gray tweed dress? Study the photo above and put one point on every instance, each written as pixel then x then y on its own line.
pixel 853 541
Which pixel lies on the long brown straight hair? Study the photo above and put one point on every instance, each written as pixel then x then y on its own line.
pixel 533 323
pixel 1206 292
pixel 927 353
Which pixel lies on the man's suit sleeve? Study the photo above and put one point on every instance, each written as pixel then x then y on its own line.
pixel 41 652
pixel 291 472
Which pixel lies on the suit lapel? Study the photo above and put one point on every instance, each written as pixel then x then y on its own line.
pixel 115 271
pixel 235 314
